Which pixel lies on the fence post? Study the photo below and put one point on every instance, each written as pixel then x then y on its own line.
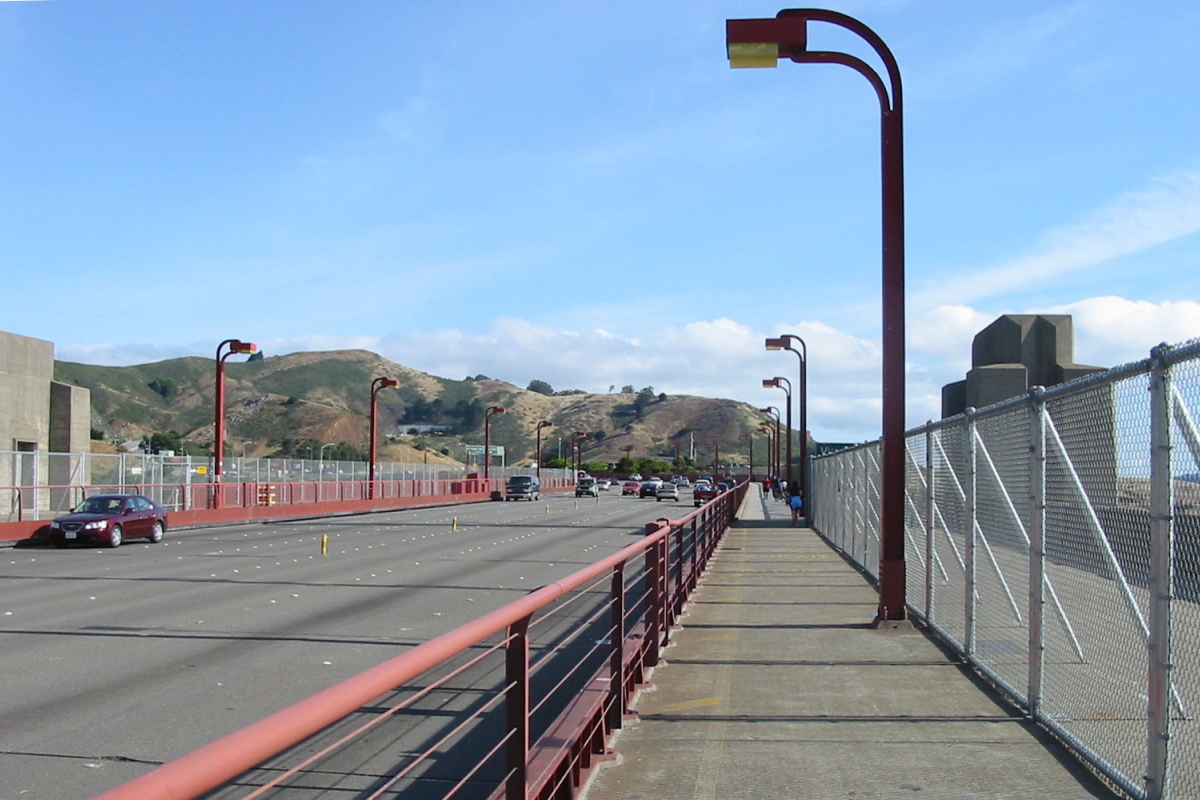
pixel 654 601
pixel 616 657
pixel 929 498
pixel 1037 549
pixel 1162 536
pixel 969 491
pixel 516 705
pixel 680 593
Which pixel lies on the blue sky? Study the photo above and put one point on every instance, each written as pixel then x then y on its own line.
pixel 586 194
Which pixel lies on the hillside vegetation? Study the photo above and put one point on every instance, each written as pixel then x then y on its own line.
pixel 286 405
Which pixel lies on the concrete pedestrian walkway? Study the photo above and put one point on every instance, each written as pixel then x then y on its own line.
pixel 777 686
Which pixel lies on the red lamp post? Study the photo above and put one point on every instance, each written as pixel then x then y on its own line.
pixel 235 346
pixel 777 461
pixel 376 386
pixel 716 458
pixel 761 43
pixel 749 437
pixel 782 343
pixel 779 383
pixel 487 438
pixel 766 429
pixel 628 458
pixel 577 439
pixel 538 455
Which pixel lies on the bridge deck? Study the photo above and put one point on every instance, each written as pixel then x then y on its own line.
pixel 777 687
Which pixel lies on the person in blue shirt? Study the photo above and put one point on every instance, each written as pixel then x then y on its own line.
pixel 796 504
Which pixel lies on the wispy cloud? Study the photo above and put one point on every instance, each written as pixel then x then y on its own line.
pixel 1167 209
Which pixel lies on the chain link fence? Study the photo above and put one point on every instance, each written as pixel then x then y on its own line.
pixel 40 485
pixel 1053 540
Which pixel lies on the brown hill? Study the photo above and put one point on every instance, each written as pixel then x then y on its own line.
pixel 302 400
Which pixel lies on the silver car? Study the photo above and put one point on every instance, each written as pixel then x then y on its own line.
pixel 667 491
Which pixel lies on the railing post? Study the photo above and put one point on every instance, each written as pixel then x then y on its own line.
pixel 929 499
pixel 516 704
pixel 654 601
pixel 1037 549
pixel 677 605
pixel 1162 543
pixel 971 514
pixel 617 704
pixel 693 572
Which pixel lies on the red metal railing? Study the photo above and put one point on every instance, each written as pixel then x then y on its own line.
pixel 632 605
pixel 195 504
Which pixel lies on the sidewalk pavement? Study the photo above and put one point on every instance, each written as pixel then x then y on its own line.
pixel 777 686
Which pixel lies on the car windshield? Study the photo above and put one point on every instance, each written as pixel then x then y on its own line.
pixel 520 479
pixel 100 505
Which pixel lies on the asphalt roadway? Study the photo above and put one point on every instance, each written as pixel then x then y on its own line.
pixel 114 661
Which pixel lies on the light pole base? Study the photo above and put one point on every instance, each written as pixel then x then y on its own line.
pixel 892 624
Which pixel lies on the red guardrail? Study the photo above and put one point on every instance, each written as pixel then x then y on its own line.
pixel 197 504
pixel 542 763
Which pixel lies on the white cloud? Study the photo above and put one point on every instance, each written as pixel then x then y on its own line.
pixel 726 358
pixel 1167 209
pixel 1114 330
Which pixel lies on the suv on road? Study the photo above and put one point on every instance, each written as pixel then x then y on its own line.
pixel 587 487
pixel 523 487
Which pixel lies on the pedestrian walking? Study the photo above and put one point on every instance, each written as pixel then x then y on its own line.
pixel 796 504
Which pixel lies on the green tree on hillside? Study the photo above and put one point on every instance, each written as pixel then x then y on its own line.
pixel 541 387
pixel 164 387
pixel 643 400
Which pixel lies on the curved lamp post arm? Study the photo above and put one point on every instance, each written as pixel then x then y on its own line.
pixel 537 458
pixel 786 385
pixel 235 346
pixel 487 438
pixel 376 386
pixel 783 342
pixel 761 43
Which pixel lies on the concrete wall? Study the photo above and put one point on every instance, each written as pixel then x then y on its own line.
pixel 38 414
pixel 26 370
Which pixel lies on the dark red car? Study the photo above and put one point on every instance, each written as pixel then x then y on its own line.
pixel 110 519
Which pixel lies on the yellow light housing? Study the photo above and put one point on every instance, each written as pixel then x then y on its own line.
pixel 750 55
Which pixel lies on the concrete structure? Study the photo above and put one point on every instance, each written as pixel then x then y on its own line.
pixel 1010 355
pixel 37 414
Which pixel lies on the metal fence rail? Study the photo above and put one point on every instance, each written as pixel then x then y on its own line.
pixel 41 485
pixel 1054 541
pixel 517 704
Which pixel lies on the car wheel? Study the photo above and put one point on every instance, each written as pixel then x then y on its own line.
pixel 116 536
pixel 156 533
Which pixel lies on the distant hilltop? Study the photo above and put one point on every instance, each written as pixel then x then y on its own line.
pixel 284 406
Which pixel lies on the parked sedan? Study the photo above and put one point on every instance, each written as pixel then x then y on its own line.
pixel 110 519
pixel 667 491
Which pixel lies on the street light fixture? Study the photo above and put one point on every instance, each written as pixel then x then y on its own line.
pixel 239 347
pixel 778 383
pixel 538 455
pixel 761 43
pixel 782 343
pixel 377 386
pixel 487 438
